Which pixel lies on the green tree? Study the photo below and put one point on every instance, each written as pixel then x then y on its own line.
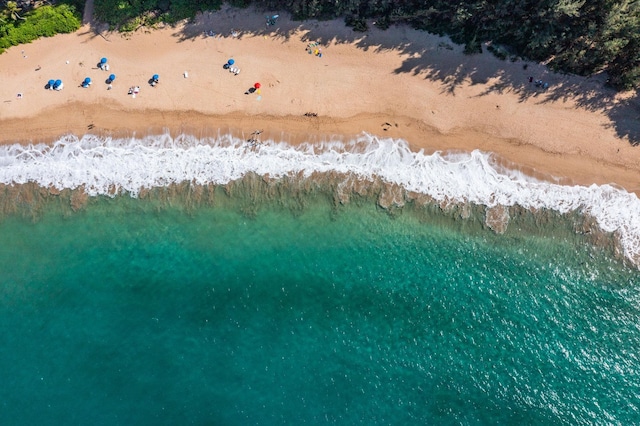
pixel 578 36
pixel 12 10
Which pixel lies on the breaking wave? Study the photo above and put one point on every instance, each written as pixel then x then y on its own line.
pixel 101 165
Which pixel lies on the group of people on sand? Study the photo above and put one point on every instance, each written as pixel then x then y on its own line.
pixel 230 65
pixel 134 90
pixel 314 48
pixel 254 140
pixel 539 83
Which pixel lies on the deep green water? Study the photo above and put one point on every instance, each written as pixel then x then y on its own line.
pixel 124 314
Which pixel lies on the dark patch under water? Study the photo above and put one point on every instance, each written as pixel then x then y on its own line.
pixel 302 310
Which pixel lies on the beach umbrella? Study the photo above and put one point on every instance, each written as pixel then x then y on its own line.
pixel 257 85
pixel 231 62
pixel 156 77
pixel 57 83
pixel 103 60
pixel 87 81
pixel 51 83
pixel 112 77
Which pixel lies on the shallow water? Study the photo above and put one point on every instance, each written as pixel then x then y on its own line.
pixel 130 313
pixel 105 166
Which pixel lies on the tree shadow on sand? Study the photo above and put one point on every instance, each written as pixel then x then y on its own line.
pixel 435 58
pixel 505 76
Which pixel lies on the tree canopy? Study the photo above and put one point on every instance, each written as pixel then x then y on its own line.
pixel 578 36
pixel 22 23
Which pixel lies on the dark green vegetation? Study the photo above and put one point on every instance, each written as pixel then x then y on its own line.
pixel 577 36
pixel 22 22
pixel 128 15
pixel 582 36
pixel 585 37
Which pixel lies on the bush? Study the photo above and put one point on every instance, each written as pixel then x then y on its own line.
pixel 357 23
pixel 127 15
pixel 383 22
pixel 45 21
pixel 472 46
pixel 239 3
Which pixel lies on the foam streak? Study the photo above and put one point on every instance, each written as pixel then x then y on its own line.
pixel 101 165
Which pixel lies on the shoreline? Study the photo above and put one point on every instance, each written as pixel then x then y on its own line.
pixel 110 122
pixel 399 83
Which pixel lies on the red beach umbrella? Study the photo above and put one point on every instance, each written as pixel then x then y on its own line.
pixel 257 85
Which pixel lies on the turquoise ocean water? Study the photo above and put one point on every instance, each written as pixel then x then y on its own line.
pixel 301 310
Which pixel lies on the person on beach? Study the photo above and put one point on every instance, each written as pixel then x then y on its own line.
pixel 271 20
pixel 255 138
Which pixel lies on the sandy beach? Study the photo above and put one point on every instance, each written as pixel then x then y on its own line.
pixel 397 83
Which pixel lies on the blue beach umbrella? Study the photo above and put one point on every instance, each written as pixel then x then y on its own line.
pixel 87 81
pixel 231 62
pixel 103 60
pixel 57 83
pixel 112 77
pixel 51 83
pixel 155 77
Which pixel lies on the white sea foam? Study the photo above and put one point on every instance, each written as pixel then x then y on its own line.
pixel 102 164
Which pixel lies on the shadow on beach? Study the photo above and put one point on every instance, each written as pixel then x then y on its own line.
pixel 437 59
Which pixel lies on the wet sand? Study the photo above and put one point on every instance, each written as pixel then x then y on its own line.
pixel 398 83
